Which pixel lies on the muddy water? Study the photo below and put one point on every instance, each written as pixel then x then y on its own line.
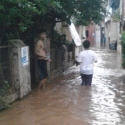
pixel 66 102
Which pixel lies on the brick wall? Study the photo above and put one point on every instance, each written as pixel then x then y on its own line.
pixel 91 30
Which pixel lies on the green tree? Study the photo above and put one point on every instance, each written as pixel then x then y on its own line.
pixel 16 16
pixel 114 4
pixel 84 11
pixel 20 18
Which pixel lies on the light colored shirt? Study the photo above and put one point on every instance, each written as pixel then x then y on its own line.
pixel 86 59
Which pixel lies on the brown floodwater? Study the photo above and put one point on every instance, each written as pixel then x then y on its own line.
pixel 66 102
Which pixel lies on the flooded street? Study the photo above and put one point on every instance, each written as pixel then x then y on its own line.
pixel 66 102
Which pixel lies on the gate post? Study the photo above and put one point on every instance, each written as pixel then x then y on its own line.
pixel 21 68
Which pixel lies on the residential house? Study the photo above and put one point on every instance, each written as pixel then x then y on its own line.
pixel 113 25
pixel 90 33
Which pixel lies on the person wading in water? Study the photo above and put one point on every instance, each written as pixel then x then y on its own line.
pixel 86 60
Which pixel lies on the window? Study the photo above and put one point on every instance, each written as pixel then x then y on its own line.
pixel 87 33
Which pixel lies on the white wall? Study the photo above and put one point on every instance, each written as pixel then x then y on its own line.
pixel 97 34
pixel 21 70
pixel 114 31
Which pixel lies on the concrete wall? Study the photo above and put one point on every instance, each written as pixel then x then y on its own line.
pixel 15 67
pixel 63 30
pixel 24 74
pixel 121 10
pixel 21 80
pixel 97 34
pixel 107 30
pixel 114 31
pixel 21 70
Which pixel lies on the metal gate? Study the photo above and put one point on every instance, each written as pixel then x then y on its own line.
pixel 5 68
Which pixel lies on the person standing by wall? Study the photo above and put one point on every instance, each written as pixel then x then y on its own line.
pixel 42 58
pixel 86 60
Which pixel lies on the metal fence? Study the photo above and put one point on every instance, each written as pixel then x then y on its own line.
pixel 58 56
pixel 5 66
pixel 57 59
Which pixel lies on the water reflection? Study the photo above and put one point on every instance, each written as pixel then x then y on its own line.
pixel 104 107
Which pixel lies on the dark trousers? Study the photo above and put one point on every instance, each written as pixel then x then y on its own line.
pixel 86 79
pixel 42 65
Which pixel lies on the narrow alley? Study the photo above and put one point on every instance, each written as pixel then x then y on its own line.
pixel 66 102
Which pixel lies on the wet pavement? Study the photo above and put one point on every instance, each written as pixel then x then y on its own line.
pixel 66 102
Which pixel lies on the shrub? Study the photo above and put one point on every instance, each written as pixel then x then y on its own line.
pixel 5 88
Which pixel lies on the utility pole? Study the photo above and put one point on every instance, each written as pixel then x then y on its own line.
pixel 122 15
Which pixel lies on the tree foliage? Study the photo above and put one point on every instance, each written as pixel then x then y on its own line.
pixel 84 11
pixel 21 18
pixel 114 4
